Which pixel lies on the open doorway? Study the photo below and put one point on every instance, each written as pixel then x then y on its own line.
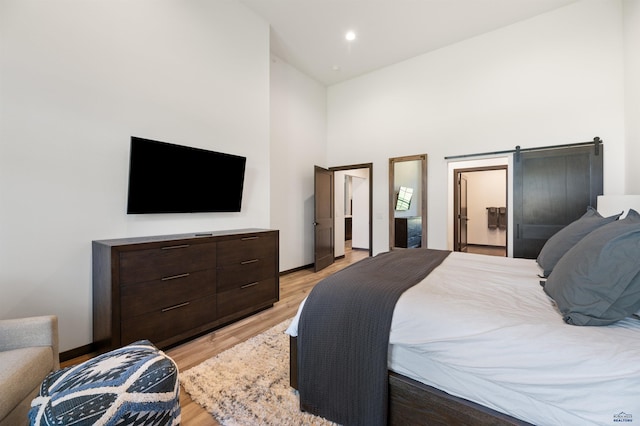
pixel 480 210
pixel 330 213
pixel 353 206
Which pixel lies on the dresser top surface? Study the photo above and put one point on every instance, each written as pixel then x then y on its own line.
pixel 175 237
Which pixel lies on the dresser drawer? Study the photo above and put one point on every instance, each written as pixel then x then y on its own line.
pixel 166 261
pixel 246 249
pixel 161 325
pixel 230 277
pixel 253 295
pixel 141 298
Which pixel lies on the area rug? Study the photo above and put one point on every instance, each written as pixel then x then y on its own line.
pixel 249 384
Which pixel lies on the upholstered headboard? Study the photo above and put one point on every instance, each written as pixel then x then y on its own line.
pixel 611 204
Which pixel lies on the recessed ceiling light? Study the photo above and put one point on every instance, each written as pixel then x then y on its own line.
pixel 350 35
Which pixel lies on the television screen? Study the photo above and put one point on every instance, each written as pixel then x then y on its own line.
pixel 169 178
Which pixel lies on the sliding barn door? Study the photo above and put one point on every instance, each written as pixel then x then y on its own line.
pixel 552 188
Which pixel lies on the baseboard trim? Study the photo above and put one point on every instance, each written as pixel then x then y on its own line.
pixel 76 352
pixel 299 268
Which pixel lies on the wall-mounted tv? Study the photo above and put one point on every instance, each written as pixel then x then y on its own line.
pixel 170 178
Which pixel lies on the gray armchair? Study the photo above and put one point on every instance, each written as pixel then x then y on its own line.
pixel 28 352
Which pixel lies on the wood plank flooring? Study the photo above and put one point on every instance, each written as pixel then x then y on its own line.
pixel 293 289
pixel 490 250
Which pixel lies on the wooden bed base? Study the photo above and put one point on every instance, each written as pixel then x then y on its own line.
pixel 414 403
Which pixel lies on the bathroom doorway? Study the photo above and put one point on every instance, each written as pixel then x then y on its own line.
pixel 480 210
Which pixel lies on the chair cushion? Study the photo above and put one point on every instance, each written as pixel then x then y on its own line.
pixel 136 384
pixel 22 371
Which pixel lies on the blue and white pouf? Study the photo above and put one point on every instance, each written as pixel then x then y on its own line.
pixel 134 385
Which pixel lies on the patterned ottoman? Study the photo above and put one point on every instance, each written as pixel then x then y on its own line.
pixel 133 385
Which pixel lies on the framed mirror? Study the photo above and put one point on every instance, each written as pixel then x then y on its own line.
pixel 408 201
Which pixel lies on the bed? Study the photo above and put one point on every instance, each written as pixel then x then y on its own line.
pixel 491 340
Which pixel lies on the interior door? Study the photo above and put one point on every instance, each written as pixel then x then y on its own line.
pixel 462 213
pixel 323 218
pixel 552 188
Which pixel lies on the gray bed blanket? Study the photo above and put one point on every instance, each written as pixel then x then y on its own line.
pixel 343 335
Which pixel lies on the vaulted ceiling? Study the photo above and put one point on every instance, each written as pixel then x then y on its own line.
pixel 310 34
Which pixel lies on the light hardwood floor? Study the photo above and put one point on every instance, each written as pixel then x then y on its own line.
pixel 293 289
pixel 490 250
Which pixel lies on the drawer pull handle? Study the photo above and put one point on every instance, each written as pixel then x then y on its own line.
pixel 249 238
pixel 247 262
pixel 173 277
pixel 175 247
pixel 171 308
pixel 250 285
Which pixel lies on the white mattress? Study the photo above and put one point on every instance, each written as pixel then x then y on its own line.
pixel 481 327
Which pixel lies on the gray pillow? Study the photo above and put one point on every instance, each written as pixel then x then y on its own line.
pixel 597 282
pixel 569 236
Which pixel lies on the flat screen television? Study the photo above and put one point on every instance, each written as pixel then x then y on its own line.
pixel 170 178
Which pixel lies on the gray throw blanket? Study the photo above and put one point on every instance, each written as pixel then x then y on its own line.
pixel 343 335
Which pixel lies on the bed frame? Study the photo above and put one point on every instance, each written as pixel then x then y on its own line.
pixel 414 403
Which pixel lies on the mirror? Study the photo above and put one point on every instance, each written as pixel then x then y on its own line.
pixel 408 202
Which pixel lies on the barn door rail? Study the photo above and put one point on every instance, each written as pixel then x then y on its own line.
pixel 596 142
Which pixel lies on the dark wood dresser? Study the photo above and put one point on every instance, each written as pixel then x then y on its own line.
pixel 169 288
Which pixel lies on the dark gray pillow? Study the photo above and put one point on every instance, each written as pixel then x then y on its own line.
pixel 597 282
pixel 569 236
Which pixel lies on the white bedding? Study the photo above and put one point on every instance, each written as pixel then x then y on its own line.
pixel 481 327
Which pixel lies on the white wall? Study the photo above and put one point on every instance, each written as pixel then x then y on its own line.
pixel 631 9
pixel 553 79
pixel 298 143
pixel 78 79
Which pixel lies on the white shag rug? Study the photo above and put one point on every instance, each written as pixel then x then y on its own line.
pixel 249 384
